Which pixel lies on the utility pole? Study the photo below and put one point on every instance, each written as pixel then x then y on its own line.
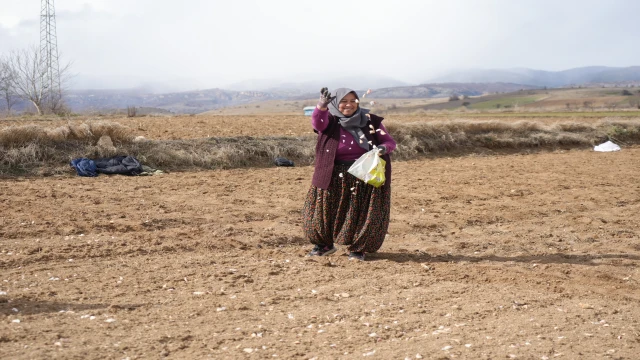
pixel 50 69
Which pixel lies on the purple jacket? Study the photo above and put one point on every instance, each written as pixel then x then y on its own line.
pixel 330 146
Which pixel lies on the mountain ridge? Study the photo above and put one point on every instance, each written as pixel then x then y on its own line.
pixel 472 82
pixel 570 77
pixel 198 101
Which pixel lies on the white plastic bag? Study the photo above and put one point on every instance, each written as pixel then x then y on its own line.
pixel 369 168
pixel 607 147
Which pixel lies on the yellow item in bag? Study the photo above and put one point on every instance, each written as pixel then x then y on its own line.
pixel 369 168
pixel 377 177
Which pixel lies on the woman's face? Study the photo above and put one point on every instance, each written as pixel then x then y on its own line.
pixel 348 105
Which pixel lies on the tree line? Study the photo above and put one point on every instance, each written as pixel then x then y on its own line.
pixel 22 78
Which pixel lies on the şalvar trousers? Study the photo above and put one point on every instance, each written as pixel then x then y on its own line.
pixel 350 212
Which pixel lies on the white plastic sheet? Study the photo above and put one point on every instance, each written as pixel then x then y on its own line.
pixel 607 147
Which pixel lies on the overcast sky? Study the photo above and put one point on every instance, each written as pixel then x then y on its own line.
pixel 214 43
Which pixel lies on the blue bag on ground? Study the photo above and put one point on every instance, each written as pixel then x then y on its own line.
pixel 85 167
pixel 124 165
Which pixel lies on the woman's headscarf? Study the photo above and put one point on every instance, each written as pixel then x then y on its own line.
pixel 353 124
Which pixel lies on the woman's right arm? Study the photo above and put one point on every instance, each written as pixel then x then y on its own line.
pixel 320 119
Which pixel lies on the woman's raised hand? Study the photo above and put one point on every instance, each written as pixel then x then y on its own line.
pixel 325 98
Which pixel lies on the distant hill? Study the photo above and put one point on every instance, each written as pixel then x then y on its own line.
pixel 541 78
pixel 470 83
pixel 447 89
pixel 192 102
pixel 560 99
pixel 189 102
pixel 314 86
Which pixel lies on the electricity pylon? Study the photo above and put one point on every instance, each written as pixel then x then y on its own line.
pixel 49 67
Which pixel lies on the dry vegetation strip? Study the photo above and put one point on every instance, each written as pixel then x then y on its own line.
pixel 35 149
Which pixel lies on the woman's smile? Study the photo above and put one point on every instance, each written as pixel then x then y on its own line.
pixel 348 105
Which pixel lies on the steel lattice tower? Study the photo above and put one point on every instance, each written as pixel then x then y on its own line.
pixel 50 69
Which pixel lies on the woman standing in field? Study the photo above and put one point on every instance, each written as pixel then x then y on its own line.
pixel 340 208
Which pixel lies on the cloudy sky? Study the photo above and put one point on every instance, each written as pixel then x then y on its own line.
pixel 215 43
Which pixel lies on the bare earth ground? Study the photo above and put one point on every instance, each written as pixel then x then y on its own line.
pixel 487 257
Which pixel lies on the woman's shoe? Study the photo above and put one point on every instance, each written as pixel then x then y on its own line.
pixel 322 250
pixel 356 256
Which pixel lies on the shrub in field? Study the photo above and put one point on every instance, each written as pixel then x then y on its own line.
pixel 622 131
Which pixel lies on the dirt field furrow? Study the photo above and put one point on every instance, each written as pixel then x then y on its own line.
pixel 516 256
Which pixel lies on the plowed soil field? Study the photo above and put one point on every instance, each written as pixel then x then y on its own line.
pixel 487 257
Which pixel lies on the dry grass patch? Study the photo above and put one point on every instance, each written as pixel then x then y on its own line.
pixel 469 136
pixel 20 135
pixel 35 150
pixel 226 153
